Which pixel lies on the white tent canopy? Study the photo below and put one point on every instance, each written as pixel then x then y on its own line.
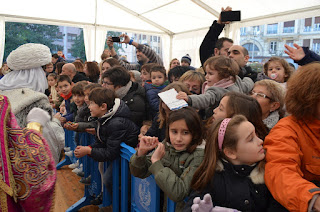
pixel 182 24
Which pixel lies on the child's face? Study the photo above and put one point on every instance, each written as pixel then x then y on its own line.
pixel 143 131
pixel 51 81
pixel 180 136
pixel 212 76
pixel 183 63
pixel 249 147
pixel 221 111
pixel 276 71
pixel 96 110
pixel 49 68
pixel 193 86
pixel 145 75
pixel 157 78
pixel 64 87
pixel 78 99
pixel 86 96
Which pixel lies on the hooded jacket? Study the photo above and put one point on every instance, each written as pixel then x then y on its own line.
pixel 173 173
pixel 112 129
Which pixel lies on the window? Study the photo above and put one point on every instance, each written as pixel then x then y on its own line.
pixel 71 37
pixel 306 43
pixel 159 39
pixel 256 30
pixel 249 47
pixel 144 37
pixel 273 47
pixel 243 31
pixel 155 38
pixel 307 24
pixel 288 27
pixel 316 24
pixel 272 29
pixel 289 43
pixel 316 45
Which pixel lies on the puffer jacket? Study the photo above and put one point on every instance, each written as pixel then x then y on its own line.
pixel 293 162
pixel 211 98
pixel 136 101
pixel 173 173
pixel 153 98
pixel 112 129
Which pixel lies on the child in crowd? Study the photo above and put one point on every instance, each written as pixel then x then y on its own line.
pixel 175 73
pixel 234 103
pixel 65 85
pixel 221 78
pixel 158 127
pixel 52 90
pixel 270 96
pixel 48 68
pixel 175 160
pixel 113 126
pixel 144 129
pixel 232 171
pixel 159 81
pixel 145 73
pixel 278 69
pixel 193 80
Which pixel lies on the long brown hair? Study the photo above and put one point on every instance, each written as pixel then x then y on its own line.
pixel 212 154
pixel 194 124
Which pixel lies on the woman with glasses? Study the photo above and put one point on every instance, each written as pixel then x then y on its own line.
pixel 270 96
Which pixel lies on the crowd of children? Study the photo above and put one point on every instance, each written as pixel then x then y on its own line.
pixel 211 150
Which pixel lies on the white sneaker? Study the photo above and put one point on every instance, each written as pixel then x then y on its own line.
pixel 67 149
pixel 69 154
pixel 74 165
pixel 77 170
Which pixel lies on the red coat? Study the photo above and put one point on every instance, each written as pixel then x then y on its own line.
pixel 293 161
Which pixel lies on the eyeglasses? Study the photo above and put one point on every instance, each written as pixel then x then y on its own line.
pixel 107 83
pixel 260 95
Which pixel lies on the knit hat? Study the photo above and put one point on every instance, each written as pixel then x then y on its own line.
pixel 186 58
pixel 29 56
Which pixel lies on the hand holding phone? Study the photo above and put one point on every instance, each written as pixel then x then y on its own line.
pixel 116 39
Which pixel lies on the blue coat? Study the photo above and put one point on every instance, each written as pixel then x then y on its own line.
pixel 153 98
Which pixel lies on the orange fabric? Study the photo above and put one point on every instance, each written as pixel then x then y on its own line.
pixel 293 160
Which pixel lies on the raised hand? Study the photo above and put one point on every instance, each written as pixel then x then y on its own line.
pixel 295 53
pixel 222 9
pixel 110 42
pixel 204 205
pixel 126 38
pixel 159 153
pixel 147 144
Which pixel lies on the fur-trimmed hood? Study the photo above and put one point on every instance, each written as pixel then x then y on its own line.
pixel 256 175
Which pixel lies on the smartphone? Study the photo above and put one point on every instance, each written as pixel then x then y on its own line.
pixel 230 16
pixel 115 39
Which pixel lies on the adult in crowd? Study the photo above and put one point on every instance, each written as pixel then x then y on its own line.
pixel 145 54
pixel 79 66
pixel 211 45
pixel 174 62
pixel 193 80
pixel 92 71
pixel 28 172
pixel 56 59
pixel 117 79
pixel 108 63
pixel 25 86
pixel 292 171
pixel 270 95
pixel 70 70
pixel 301 55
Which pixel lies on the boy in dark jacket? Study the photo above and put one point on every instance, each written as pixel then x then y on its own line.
pixel 113 126
pixel 159 81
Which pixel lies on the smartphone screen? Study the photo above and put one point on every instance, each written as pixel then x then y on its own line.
pixel 231 16
pixel 115 39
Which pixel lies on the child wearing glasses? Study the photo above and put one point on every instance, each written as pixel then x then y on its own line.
pixel 222 77
pixel 270 96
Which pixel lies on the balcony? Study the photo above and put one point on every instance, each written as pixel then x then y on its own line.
pixel 307 29
pixel 316 27
pixel 288 30
pixel 272 31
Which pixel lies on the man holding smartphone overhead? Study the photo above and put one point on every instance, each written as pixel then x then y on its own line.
pixel 145 54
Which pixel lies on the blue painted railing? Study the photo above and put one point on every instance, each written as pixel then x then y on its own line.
pixel 145 194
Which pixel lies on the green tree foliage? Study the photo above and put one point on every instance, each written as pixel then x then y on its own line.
pixel 117 46
pixel 21 33
pixel 77 48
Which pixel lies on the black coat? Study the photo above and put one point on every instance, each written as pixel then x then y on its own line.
pixel 154 130
pixel 136 101
pixel 233 188
pixel 111 132
pixel 79 77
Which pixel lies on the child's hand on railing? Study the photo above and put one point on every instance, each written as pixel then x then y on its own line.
pixel 159 153
pixel 81 151
pixel 147 144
